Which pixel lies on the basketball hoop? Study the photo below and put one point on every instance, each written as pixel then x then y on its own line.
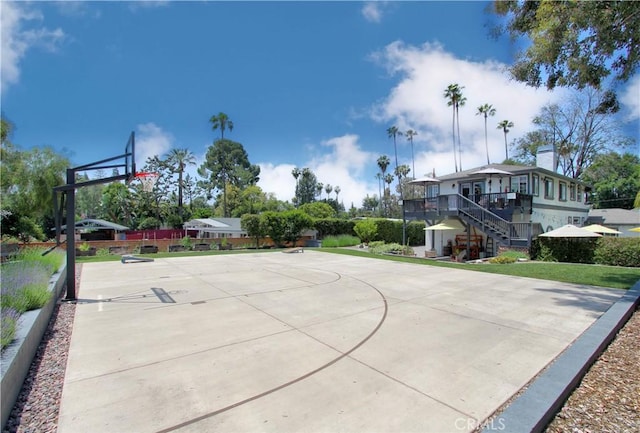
pixel 148 180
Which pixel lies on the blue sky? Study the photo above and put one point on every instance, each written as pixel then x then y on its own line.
pixel 307 84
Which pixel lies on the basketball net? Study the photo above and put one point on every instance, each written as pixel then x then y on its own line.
pixel 148 180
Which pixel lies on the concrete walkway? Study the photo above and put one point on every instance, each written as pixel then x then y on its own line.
pixel 309 342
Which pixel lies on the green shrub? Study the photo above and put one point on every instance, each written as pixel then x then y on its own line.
pixel 340 241
pixel 102 252
pixel 570 250
pixel 391 248
pixel 366 230
pixel 36 296
pixel 618 251
pixel 503 259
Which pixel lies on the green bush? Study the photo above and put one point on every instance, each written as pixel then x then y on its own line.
pixel 366 230
pixel 617 252
pixel 570 250
pixel 102 252
pixel 391 248
pixel 340 241
pixel 333 227
pixel 502 259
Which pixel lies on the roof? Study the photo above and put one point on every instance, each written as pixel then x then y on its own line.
pixel 616 216
pixel 472 173
pixel 97 224
pixel 225 225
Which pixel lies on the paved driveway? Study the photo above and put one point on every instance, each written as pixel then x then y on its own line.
pixel 310 342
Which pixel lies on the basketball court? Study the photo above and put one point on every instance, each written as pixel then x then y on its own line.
pixel 311 342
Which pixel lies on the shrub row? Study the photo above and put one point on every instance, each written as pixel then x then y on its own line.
pixel 603 251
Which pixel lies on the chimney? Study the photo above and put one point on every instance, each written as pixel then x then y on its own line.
pixel 546 158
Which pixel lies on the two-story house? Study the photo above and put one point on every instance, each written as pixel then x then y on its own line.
pixel 500 205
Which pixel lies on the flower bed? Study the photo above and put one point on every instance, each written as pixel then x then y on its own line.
pixel 28 300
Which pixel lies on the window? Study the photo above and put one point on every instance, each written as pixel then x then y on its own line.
pixel 535 185
pixel 520 184
pixel 548 188
pixel 433 191
pixel 579 196
pixel 576 221
pixel 562 191
pixel 572 191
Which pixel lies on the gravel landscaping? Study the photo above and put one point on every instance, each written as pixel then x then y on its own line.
pixel 607 400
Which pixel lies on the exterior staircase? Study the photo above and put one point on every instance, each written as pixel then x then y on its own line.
pixel 503 232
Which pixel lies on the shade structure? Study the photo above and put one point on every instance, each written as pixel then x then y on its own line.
pixel 424 180
pixel 635 229
pixel 442 226
pixel 570 231
pixel 491 171
pixel 597 228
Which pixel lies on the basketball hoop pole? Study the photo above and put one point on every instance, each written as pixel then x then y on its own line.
pixel 69 190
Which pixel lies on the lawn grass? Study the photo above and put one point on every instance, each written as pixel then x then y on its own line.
pixel 593 275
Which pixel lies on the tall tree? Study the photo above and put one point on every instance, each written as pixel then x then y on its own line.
pixel 328 189
pixel 393 132
pixel 383 163
pixel 410 134
pixel 296 172
pixel 573 43
pixel 226 162
pixel 505 125
pixel 453 94
pixel 319 188
pixel 380 183
pixel 486 110
pixel 306 189
pixel 615 179
pixel 337 191
pixel 221 121
pixel 178 160
pixel 580 128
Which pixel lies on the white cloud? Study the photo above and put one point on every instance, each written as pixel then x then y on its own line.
pixel 147 4
pixel 630 99
pixel 372 11
pixel 418 102
pixel 343 165
pixel 151 140
pixel 17 39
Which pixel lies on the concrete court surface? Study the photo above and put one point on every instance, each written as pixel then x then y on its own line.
pixel 310 342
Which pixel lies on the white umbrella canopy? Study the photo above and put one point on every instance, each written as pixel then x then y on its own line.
pixel 493 170
pixel 570 231
pixel 597 228
pixel 424 180
pixel 635 229
pixel 490 171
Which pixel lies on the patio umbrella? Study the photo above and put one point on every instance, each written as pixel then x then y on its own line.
pixel 490 171
pixel 570 231
pixel 424 180
pixel 635 229
pixel 442 226
pixel 597 228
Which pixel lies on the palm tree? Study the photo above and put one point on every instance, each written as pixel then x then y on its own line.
pixel 379 177
pixel 319 188
pixel 486 110
pixel 505 125
pixel 337 191
pixel 393 131
pixel 178 159
pixel 296 172
pixel 453 93
pixel 410 134
pixel 383 163
pixel 221 121
pixel 328 188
